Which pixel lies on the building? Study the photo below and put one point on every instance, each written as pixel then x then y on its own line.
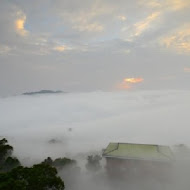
pixel 126 159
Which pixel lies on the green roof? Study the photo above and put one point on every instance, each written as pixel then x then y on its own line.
pixel 138 152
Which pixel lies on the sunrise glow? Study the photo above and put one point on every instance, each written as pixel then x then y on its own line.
pixel 133 80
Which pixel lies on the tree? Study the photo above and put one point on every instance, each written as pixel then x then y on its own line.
pixel 66 167
pixel 13 176
pixel 6 161
pixel 10 163
pixel 93 163
pixel 38 177
pixel 59 163
pixel 48 161
pixel 5 150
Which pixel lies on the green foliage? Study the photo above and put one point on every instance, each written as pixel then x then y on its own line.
pixel 66 167
pixel 62 162
pixel 93 163
pixel 38 177
pixel 48 161
pixel 5 150
pixel 10 163
pixel 6 161
pixel 59 163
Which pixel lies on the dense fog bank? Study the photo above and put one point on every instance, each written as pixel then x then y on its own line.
pixel 74 125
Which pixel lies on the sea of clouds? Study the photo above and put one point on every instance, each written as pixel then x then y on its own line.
pixel 71 124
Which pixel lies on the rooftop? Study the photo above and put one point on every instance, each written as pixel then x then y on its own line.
pixel 139 152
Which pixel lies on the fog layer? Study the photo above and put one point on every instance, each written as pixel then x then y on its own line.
pixel 71 124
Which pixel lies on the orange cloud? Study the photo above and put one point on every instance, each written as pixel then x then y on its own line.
pixel 123 85
pixel 178 40
pixel 19 24
pixel 133 80
pixel 140 27
pixel 178 4
pixel 127 82
pixel 187 70
pixel 166 5
pixel 60 48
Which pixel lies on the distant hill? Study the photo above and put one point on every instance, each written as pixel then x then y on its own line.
pixel 43 92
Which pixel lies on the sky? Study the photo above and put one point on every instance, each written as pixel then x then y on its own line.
pixel 94 45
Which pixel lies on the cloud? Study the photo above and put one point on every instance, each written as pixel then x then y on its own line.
pixel 187 69
pixel 89 27
pixel 19 24
pixel 178 40
pixel 151 3
pixel 138 28
pixel 88 19
pixel 122 17
pixel 141 26
pixel 133 80
pixel 60 48
pixel 123 85
pixel 167 5
pixel 29 122
pixel 4 49
pixel 178 4
pixel 128 82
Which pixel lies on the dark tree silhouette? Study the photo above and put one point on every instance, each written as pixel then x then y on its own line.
pixel 7 162
pixel 38 177
pixel 5 150
pixel 93 163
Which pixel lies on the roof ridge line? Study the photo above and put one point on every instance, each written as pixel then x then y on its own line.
pixel 141 144
pixel 113 149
